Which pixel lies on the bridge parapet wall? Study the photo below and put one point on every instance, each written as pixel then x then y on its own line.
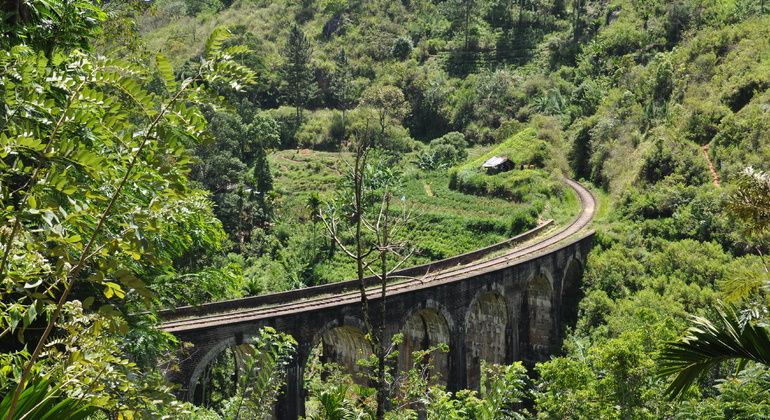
pixel 348 285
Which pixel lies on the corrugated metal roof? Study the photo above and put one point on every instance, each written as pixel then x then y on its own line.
pixel 494 162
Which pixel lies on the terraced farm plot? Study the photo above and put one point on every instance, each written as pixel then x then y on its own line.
pixel 444 222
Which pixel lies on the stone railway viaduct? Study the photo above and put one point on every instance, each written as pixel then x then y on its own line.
pixel 511 306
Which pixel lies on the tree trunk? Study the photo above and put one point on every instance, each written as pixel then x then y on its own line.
pixel 381 385
pixel 358 180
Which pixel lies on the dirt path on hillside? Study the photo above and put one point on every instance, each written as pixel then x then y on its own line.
pixel 712 169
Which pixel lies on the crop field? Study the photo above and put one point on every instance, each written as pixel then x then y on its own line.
pixel 443 222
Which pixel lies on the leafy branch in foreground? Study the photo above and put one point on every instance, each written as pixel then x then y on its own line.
pixel 90 160
pixel 262 371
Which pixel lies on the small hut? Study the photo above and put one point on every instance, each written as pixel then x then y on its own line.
pixel 497 164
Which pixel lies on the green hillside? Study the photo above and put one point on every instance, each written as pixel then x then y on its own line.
pixel 526 181
pixel 444 222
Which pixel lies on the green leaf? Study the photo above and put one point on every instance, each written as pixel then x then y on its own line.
pixel 30 315
pixel 113 289
pixel 214 44
pixel 707 344
pixel 42 400
pixel 166 72
pixel 38 282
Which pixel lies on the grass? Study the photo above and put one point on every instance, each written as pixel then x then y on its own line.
pixel 299 173
pixel 521 148
pixel 562 209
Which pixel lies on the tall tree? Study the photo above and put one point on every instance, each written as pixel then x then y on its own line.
pixel 342 83
pixel 263 134
pixel 463 14
pixel 578 16
pixel 263 181
pixel 233 166
pixel 297 70
pixel 389 105
pixel 558 8
pixel 499 14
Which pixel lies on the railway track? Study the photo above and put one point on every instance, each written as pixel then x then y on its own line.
pixel 514 256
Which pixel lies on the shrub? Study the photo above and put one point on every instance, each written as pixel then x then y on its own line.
pixel 523 220
pixel 321 130
pixel 402 48
pixel 287 122
pixel 195 7
pixel 487 226
pixel 337 130
pixel 397 139
pixel 703 122
pixel 667 158
pixel 507 129
pixel 586 97
pixel 443 152
pixel 476 134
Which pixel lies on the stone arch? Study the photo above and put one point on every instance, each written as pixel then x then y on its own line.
pixel 346 322
pixel 343 344
pixel 538 311
pixel 423 328
pixel 487 331
pixel 571 293
pixel 196 388
pixel 225 361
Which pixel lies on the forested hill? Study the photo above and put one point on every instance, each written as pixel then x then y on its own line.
pixel 627 81
pixel 628 94
pixel 636 97
pixel 159 154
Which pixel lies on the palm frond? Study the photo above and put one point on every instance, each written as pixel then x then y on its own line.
pixel 708 344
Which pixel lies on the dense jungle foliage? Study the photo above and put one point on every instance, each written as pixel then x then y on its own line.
pixel 158 154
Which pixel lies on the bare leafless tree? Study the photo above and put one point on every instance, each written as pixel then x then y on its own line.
pixel 374 249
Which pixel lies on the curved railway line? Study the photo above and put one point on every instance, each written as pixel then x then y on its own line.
pixel 515 255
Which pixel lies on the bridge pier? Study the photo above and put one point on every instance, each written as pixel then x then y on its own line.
pixel 457 366
pixel 291 402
